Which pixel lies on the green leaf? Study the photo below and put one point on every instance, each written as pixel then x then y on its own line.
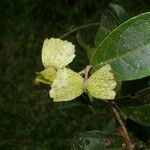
pixel 131 88
pixel 89 50
pixel 139 114
pixel 120 13
pixel 100 35
pixel 108 23
pixel 126 49
pixel 96 140
pixel 111 18
pixel 46 76
pixel 111 126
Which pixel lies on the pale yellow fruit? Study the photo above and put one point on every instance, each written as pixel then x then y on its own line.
pixel 68 85
pixel 46 76
pixel 101 84
pixel 57 53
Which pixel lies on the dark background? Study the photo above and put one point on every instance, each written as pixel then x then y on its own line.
pixel 28 118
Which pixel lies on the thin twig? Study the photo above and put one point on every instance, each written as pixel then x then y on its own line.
pixel 82 72
pixel 85 72
pixel 79 28
pixel 87 69
pixel 124 130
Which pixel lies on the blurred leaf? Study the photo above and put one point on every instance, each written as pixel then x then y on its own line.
pixel 111 126
pixel 89 50
pixel 108 23
pixel 140 98
pixel 96 140
pixel 139 114
pixel 100 35
pixel 144 92
pixel 132 88
pixel 46 76
pixel 90 53
pixel 121 14
pixel 127 49
pixel 110 19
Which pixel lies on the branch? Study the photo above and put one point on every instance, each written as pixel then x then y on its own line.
pixel 79 28
pixel 129 144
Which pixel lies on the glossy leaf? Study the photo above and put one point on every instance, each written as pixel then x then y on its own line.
pixel 127 49
pixel 96 140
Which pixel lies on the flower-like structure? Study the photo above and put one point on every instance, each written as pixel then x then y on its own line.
pixel 56 54
pixel 67 84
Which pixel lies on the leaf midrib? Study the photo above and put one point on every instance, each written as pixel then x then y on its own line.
pixel 128 52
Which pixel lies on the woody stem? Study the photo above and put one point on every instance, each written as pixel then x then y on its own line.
pixel 124 130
